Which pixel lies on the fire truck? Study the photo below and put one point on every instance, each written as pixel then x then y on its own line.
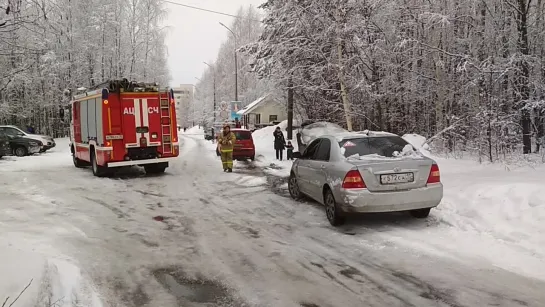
pixel 121 123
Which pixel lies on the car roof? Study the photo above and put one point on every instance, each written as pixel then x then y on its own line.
pixel 239 129
pixel 357 135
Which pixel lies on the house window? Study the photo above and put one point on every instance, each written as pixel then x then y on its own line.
pixel 273 118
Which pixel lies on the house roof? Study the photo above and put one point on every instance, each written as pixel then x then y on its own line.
pixel 249 108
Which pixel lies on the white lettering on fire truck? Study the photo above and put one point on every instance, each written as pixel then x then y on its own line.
pixel 130 111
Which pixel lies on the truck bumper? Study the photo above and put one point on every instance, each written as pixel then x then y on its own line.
pixel 140 162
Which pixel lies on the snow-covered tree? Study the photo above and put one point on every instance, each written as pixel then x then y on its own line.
pixel 50 47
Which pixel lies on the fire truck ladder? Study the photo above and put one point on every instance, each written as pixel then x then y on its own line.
pixel 166 125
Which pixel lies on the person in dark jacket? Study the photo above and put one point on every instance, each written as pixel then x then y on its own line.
pixel 279 143
pixel 30 129
pixel 289 147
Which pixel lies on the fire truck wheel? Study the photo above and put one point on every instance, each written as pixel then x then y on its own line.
pixel 155 168
pixel 99 171
pixel 77 162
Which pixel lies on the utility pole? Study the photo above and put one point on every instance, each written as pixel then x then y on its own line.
pixel 344 95
pixel 290 109
pixel 214 86
pixel 236 61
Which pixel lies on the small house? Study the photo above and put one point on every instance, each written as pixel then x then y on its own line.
pixel 264 111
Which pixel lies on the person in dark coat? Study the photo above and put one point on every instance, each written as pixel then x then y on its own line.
pixel 279 143
pixel 30 129
pixel 289 147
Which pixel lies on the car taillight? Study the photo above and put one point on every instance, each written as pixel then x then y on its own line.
pixel 435 176
pixel 353 180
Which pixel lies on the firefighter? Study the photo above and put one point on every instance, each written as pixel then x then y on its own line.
pixel 226 143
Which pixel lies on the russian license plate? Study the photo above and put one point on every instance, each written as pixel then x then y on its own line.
pixel 396 178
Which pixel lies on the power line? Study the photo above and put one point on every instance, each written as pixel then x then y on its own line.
pixel 209 11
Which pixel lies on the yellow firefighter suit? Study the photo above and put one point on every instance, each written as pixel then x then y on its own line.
pixel 226 143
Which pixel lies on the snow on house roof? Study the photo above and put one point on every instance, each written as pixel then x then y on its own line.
pixel 252 105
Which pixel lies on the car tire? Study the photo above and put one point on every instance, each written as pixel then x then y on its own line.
pixel 293 188
pixel 20 151
pixel 332 211
pixel 252 158
pixel 98 171
pixel 155 169
pixel 420 213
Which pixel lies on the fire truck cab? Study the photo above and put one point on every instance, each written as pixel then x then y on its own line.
pixel 121 123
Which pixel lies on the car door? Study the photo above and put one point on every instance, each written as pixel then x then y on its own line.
pixel 12 131
pixel 318 167
pixel 304 173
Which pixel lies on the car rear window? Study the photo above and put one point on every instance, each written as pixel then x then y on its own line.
pixel 243 135
pixel 384 146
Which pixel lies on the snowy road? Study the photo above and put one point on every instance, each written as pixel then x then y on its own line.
pixel 197 235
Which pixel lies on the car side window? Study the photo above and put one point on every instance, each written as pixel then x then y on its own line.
pixel 323 152
pixel 11 131
pixel 311 150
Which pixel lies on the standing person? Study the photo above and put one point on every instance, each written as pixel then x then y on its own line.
pixel 289 147
pixel 30 129
pixel 279 143
pixel 226 143
pixel 237 123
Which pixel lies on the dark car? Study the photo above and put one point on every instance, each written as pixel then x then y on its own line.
pixel 5 149
pixel 20 145
pixel 14 131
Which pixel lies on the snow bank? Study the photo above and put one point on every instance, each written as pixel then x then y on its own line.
pixel 265 153
pixel 317 129
pixel 496 212
pixel 49 275
pixel 419 142
pixel 193 130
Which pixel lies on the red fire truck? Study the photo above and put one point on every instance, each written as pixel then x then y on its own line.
pixel 121 123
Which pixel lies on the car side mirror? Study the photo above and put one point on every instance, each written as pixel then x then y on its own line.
pixel 11 137
pixel 297 155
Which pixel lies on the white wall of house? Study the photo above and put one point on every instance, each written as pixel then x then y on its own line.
pixel 268 108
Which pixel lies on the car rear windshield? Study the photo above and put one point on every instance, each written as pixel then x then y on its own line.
pixel 384 146
pixel 243 135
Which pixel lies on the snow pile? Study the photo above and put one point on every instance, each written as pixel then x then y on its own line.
pixel 265 153
pixel 494 212
pixel 194 130
pixel 49 279
pixel 318 129
pixel 418 141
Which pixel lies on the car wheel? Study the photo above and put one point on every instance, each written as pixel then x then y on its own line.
pixel 334 215
pixel 20 151
pixel 98 171
pixel 420 213
pixel 252 158
pixel 293 187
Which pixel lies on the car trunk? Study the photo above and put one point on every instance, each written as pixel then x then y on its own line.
pixel 394 174
pixel 243 140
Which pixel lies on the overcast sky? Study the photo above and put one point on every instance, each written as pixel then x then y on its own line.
pixel 195 36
